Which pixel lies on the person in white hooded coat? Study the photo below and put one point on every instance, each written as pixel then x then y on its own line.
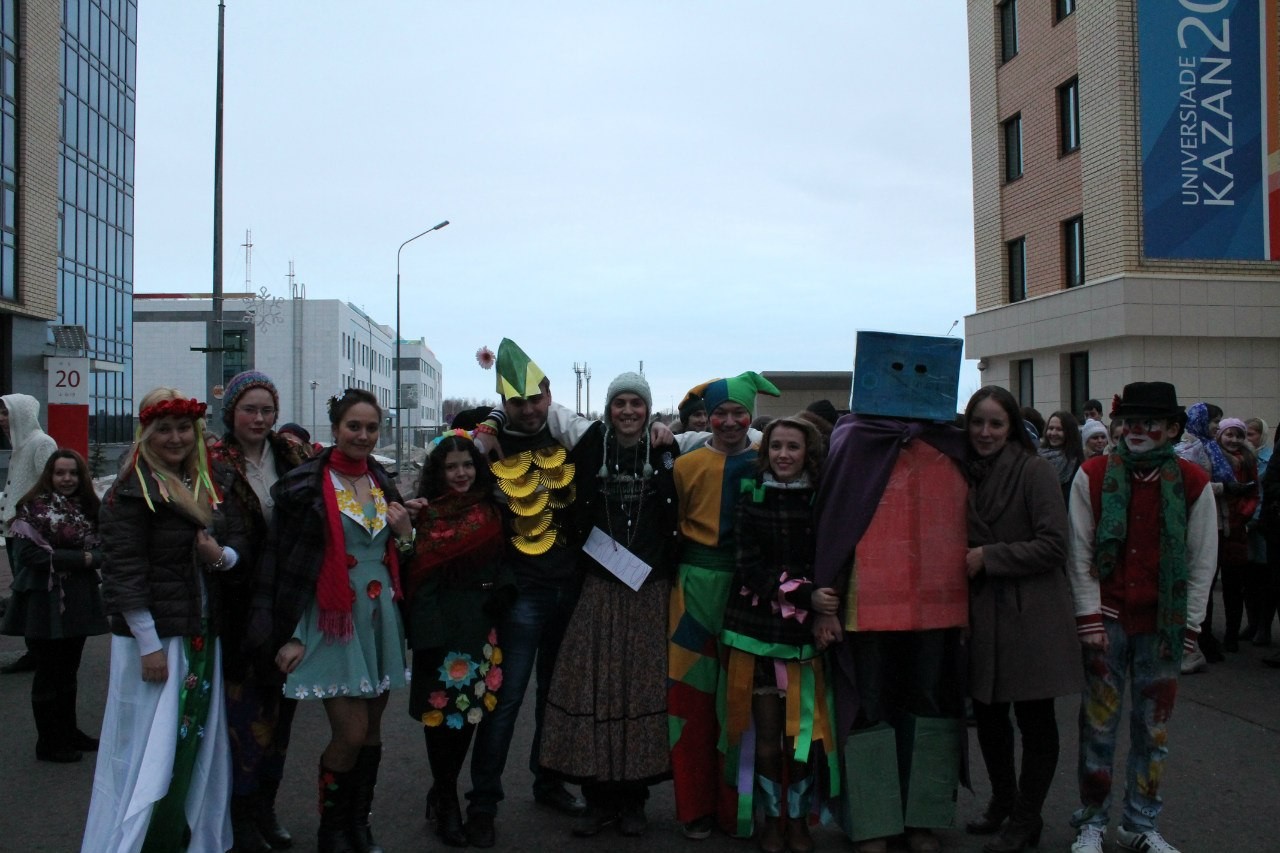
pixel 32 447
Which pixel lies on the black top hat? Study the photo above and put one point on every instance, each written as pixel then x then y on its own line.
pixel 1149 399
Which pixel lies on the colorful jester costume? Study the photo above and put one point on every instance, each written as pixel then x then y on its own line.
pixel 708 484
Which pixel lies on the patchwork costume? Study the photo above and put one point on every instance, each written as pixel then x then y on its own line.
pixel 708 484
pixel 1142 555
pixel 892 538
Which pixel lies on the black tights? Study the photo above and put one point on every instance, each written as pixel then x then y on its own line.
pixel 1039 729
pixel 770 713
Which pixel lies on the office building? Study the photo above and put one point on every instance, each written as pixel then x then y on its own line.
pixel 67 98
pixel 1126 177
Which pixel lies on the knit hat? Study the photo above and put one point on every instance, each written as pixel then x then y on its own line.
pixel 518 375
pixel 690 406
pixel 295 430
pixel 1232 423
pixel 1090 429
pixel 740 389
pixel 238 386
pixel 628 383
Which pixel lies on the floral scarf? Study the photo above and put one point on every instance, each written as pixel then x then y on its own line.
pixel 455 532
pixel 1112 530
pixel 55 521
pixel 1198 427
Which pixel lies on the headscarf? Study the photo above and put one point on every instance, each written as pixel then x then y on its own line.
pixel 1198 427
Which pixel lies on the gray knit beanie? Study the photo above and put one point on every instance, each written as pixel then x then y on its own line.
pixel 629 383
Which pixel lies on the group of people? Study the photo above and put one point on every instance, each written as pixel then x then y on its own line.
pixel 786 622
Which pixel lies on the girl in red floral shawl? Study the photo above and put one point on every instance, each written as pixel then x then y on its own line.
pixel 456 588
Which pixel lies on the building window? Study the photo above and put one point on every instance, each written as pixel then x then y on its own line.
pixel 1073 251
pixel 1023 375
pixel 1016 261
pixel 1008 30
pixel 1079 379
pixel 1069 116
pixel 1063 8
pixel 1013 148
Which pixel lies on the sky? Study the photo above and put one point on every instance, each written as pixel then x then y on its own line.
pixel 706 187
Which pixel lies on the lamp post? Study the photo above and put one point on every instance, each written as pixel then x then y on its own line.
pixel 399 426
pixel 315 427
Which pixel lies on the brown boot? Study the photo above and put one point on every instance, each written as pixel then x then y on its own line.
pixel 771 838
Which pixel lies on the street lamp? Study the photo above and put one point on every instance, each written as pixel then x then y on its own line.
pixel 315 427
pixel 399 426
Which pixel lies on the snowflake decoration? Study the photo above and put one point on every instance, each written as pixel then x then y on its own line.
pixel 265 309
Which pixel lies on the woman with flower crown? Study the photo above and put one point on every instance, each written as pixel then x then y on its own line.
pixel 331 577
pixel 456 589
pixel 162 780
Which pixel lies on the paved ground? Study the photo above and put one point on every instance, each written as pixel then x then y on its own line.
pixel 1221 789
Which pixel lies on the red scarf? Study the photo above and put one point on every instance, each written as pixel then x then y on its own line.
pixel 333 589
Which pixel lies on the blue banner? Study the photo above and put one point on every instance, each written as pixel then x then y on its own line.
pixel 1201 88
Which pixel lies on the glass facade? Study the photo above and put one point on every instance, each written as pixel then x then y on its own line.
pixel 95 229
pixel 8 147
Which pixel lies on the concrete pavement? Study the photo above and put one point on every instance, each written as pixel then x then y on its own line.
pixel 1220 791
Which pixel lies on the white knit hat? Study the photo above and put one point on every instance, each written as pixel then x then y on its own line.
pixel 628 383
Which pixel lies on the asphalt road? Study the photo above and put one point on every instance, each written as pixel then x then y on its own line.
pixel 1221 789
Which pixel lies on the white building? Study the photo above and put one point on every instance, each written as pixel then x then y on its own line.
pixel 423 393
pixel 311 349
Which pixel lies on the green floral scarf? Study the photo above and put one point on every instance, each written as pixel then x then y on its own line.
pixel 1171 607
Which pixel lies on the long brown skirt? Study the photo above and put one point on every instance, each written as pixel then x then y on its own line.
pixel 606 715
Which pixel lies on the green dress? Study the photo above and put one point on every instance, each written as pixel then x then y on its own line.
pixel 373 660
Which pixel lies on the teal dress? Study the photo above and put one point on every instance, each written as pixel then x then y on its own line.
pixel 373 660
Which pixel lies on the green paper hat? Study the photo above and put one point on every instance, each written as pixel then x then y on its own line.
pixel 518 375
pixel 741 389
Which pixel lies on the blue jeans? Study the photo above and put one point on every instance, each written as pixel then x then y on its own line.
pixel 1153 686
pixel 529 637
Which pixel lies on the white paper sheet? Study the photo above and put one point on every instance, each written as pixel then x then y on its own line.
pixel 615 557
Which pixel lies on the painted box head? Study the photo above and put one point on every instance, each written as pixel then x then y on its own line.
pixel 906 376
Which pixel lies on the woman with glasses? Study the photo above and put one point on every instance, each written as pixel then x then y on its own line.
pixel 259 718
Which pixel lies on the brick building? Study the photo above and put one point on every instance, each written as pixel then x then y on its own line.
pixel 67 97
pixel 1098 263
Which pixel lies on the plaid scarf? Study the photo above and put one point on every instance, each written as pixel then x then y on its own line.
pixel 1112 531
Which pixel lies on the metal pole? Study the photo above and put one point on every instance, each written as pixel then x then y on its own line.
pixel 214 335
pixel 399 426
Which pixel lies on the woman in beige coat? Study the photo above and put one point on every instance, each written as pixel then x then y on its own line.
pixel 1023 650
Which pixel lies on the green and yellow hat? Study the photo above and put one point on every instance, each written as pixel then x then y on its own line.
pixel 741 389
pixel 518 375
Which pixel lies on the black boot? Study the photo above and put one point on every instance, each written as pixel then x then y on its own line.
pixel 52 742
pixel 446 752
pixel 366 779
pixel 244 831
pixel 269 826
pixel 1022 830
pixel 995 737
pixel 336 790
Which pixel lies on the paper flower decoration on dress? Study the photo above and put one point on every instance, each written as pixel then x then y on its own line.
pixel 485 358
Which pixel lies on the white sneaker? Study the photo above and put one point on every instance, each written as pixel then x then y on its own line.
pixel 1143 842
pixel 1089 839
pixel 1193 662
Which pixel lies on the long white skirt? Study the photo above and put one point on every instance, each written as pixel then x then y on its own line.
pixel 135 760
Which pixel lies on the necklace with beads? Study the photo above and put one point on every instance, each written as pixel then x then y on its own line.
pixel 632 485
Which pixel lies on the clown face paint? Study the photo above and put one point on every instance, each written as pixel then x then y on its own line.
pixel 1142 435
pixel 729 423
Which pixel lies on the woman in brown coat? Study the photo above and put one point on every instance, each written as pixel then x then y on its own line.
pixel 1023 649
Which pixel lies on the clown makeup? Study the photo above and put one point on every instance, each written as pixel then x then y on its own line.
pixel 1143 435
pixel 1231 439
pixel 729 423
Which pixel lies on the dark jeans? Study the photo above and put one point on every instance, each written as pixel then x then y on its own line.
pixel 57 663
pixel 529 637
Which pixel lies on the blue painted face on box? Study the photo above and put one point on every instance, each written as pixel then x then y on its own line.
pixel 906 376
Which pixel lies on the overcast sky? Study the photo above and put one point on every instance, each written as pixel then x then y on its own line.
pixel 708 187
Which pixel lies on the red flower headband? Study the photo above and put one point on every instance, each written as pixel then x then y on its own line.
pixel 192 408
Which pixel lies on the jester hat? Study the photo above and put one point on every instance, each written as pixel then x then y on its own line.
pixel 740 389
pixel 518 375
